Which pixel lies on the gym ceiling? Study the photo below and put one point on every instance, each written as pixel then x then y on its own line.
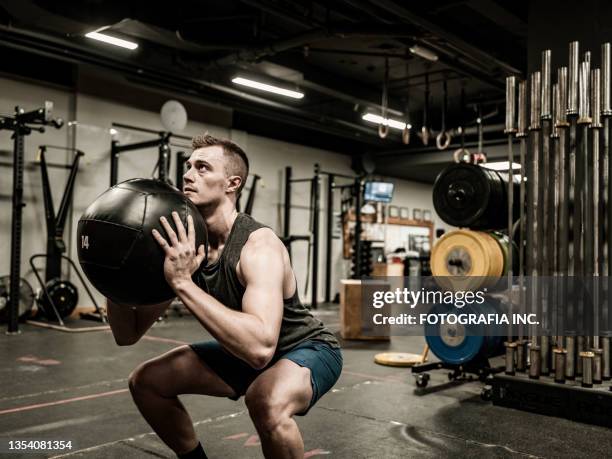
pixel 335 52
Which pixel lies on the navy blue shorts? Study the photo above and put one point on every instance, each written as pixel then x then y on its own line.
pixel 324 362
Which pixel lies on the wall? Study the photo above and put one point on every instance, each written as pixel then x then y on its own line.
pixel 268 159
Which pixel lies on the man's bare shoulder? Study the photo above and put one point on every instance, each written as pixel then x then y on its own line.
pixel 262 255
pixel 262 239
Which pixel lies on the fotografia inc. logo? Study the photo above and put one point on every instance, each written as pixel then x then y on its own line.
pixel 414 298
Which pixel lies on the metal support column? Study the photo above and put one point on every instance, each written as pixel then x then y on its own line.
pixel 114 163
pixel 357 237
pixel 315 235
pixel 287 207
pixel 328 236
pixel 248 208
pixel 18 204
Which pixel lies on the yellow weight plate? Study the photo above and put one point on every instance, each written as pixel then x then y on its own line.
pixel 504 243
pixel 399 359
pixel 466 260
pixel 496 255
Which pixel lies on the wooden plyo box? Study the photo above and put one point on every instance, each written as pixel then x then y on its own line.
pixel 351 313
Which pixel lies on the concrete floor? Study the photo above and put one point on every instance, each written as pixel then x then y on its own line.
pixel 64 386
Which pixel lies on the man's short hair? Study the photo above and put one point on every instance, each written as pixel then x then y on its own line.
pixel 237 162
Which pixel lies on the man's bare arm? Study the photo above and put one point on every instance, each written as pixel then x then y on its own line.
pixel 251 335
pixel 129 323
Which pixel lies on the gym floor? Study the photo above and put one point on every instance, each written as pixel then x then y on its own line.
pixel 73 386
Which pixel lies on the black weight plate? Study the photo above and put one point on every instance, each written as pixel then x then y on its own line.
pixel 461 194
pixel 65 297
pixel 470 196
pixel 26 298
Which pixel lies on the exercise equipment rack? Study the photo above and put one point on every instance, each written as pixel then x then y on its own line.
pixel 56 247
pixel 22 124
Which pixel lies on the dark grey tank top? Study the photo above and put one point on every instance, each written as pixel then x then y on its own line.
pixel 220 280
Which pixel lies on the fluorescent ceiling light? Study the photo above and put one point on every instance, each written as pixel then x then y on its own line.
pixel 267 87
pixel 500 166
pixel 371 117
pixel 425 53
pixel 112 40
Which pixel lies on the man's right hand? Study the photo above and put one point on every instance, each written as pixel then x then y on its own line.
pixel 130 323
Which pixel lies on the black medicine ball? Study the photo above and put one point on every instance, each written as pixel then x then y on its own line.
pixel 116 248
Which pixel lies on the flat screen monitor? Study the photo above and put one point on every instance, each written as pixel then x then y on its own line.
pixel 378 191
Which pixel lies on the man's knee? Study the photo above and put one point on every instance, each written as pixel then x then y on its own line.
pixel 158 376
pixel 142 379
pixel 268 412
pixel 152 378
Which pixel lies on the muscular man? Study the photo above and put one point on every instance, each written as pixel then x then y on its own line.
pixel 267 347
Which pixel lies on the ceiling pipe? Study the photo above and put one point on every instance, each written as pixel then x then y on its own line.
pixel 275 10
pixel 403 13
pixel 348 98
pixel 446 57
pixel 306 38
pixel 350 52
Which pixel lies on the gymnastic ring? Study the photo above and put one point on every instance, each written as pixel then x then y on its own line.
pixel 462 155
pixel 425 135
pixel 406 135
pixel 447 140
pixel 383 131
